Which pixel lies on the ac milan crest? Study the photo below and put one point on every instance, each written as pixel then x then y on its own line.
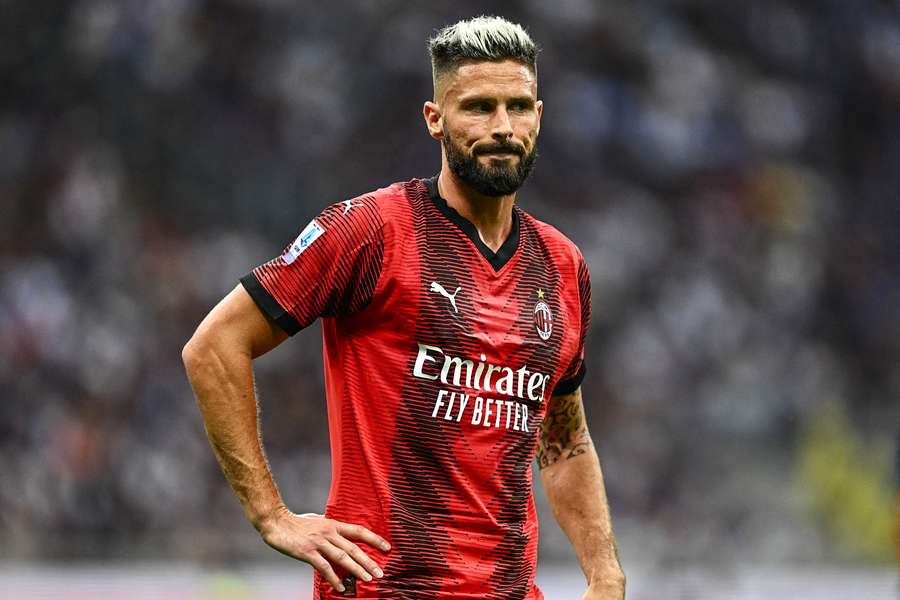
pixel 543 319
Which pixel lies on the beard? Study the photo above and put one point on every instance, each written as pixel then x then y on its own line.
pixel 500 178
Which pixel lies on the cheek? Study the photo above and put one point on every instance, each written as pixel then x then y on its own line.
pixel 465 136
pixel 530 133
pixel 456 139
pixel 467 127
pixel 528 127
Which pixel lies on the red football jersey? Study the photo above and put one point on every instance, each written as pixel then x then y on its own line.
pixel 440 357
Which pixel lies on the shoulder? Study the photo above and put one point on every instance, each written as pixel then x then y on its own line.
pixel 563 250
pixel 397 193
pixel 393 200
pixel 368 214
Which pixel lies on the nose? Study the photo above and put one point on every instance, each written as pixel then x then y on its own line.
pixel 501 128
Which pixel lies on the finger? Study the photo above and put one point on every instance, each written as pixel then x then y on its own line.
pixel 357 555
pixel 358 532
pixel 320 564
pixel 340 557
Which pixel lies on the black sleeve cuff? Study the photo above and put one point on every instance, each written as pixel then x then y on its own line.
pixel 268 305
pixel 568 386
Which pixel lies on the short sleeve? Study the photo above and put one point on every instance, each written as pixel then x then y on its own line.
pixel 574 373
pixel 331 269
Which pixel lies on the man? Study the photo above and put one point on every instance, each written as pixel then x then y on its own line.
pixel 454 327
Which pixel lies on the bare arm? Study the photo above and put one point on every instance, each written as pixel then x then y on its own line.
pixel 218 362
pixel 573 481
pixel 218 359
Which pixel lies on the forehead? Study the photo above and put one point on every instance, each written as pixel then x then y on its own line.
pixel 489 78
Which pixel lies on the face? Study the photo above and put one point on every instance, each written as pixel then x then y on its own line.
pixel 487 117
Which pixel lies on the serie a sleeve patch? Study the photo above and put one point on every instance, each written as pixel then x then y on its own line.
pixel 309 235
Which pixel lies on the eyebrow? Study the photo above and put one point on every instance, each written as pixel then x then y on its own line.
pixel 481 98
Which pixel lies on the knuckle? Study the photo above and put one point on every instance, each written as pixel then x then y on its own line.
pixel 341 556
pixel 330 535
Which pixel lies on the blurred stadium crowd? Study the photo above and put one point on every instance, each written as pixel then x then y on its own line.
pixel 730 171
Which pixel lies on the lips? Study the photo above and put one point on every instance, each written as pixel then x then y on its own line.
pixel 499 152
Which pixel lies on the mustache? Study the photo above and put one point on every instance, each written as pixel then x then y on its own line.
pixel 511 148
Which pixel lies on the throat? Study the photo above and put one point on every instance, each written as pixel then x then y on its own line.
pixel 492 218
pixel 493 236
pixel 497 235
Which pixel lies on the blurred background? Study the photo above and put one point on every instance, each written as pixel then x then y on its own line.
pixel 731 172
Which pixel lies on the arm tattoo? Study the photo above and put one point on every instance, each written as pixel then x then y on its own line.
pixel 564 431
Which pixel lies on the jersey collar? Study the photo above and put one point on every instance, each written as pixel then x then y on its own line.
pixel 496 259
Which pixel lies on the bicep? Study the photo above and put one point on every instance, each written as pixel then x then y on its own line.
pixel 564 433
pixel 237 323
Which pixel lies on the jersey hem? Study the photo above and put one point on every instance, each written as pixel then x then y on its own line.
pixel 268 305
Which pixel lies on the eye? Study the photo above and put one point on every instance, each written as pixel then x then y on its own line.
pixel 480 107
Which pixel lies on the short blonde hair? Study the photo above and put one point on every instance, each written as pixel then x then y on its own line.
pixel 480 38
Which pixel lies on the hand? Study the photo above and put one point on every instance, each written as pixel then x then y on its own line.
pixel 322 543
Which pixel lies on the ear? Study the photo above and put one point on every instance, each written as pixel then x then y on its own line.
pixel 433 120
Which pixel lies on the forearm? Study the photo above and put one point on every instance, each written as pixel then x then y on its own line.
pixel 573 482
pixel 222 380
pixel 575 490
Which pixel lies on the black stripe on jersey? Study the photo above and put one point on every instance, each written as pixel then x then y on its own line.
pixel 570 385
pixel 496 259
pixel 268 305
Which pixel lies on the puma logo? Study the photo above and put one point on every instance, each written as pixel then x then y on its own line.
pixel 436 287
pixel 348 204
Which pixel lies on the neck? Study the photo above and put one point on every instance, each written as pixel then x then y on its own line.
pixel 491 216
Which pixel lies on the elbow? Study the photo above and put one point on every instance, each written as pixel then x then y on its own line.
pixel 209 349
pixel 193 354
